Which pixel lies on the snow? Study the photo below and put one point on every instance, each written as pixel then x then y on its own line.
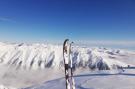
pixel 4 87
pixel 93 80
pixel 40 66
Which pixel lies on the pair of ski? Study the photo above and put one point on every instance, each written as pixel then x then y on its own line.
pixel 70 84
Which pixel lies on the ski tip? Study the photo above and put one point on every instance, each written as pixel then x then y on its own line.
pixel 66 40
pixel 72 42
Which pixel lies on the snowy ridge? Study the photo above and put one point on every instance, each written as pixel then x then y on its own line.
pixel 41 56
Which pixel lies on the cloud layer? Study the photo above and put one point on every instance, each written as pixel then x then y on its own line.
pixel 108 43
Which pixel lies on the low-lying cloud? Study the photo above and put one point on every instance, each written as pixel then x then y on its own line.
pixel 108 43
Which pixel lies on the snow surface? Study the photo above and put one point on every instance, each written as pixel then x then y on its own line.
pixel 40 66
pixel 94 80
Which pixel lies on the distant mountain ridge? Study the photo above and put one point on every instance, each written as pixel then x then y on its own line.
pixel 41 56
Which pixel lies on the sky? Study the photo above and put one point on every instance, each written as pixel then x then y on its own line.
pixel 55 20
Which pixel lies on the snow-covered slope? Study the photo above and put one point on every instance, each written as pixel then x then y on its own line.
pixel 94 80
pixel 41 56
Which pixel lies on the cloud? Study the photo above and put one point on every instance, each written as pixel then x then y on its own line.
pixel 108 43
pixel 6 19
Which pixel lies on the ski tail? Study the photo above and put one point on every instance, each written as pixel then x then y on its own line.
pixel 66 65
pixel 67 51
pixel 71 66
pixel 64 44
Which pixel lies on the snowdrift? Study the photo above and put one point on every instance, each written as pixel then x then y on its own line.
pixel 4 87
pixel 42 56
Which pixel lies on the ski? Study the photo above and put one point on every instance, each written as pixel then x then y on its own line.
pixel 71 67
pixel 66 61
pixel 67 49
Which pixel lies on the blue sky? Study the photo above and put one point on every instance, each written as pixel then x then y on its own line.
pixel 55 20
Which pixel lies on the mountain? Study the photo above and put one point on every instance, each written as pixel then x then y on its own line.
pixel 41 56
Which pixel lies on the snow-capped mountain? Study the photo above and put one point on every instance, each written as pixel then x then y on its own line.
pixel 41 56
